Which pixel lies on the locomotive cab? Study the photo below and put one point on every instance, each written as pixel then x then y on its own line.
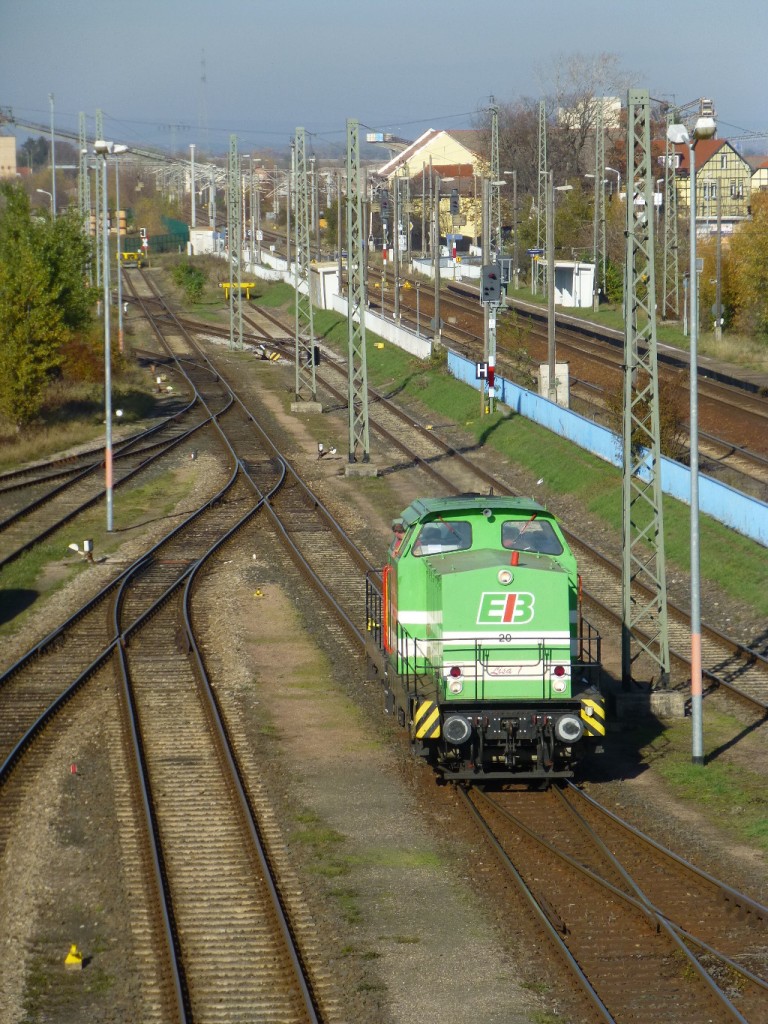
pixel 480 631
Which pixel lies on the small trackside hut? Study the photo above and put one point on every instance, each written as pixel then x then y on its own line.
pixel 476 633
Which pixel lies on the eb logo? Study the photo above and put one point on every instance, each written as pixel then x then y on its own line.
pixel 505 609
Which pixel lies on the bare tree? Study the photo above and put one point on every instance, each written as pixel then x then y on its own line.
pixel 577 85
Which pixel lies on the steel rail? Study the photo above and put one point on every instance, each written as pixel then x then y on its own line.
pixel 639 901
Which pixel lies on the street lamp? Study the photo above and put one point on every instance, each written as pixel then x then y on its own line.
pixel 678 135
pixel 618 177
pixel 45 192
pixel 103 148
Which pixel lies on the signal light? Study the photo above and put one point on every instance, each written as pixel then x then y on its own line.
pixel 490 284
pixel 454 202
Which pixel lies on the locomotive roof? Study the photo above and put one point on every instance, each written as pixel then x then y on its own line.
pixel 453 563
pixel 425 508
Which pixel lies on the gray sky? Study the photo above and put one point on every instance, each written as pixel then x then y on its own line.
pixel 187 71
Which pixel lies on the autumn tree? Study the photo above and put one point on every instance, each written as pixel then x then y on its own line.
pixel 44 300
pixel 745 271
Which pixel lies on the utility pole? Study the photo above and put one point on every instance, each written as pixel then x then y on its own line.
pixel 550 226
pixel 305 386
pixel 406 215
pixel 251 215
pixel 435 182
pixel 53 161
pixel 396 243
pixel 340 231
pixel 356 302
pixel 192 222
pixel 718 272
pixel 423 210
pixel 485 259
pixel 235 243
pixel 644 618
pixel 515 264
pixel 212 200
pixel 288 202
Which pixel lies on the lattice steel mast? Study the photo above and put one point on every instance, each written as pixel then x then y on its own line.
pixel 98 201
pixel 235 244
pixel 305 386
pixel 541 201
pixel 357 304
pixel 644 625
pixel 495 187
pixel 670 292
pixel 598 240
pixel 83 182
pixel 84 187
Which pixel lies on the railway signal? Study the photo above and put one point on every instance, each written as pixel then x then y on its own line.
pixel 490 291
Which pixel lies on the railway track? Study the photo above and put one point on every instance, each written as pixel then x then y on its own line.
pixel 312 539
pixel 644 932
pixel 46 501
pixel 236 948
pixel 730 667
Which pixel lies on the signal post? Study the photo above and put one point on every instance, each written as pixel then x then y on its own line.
pixel 490 299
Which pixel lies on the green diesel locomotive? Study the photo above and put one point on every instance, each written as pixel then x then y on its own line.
pixel 477 635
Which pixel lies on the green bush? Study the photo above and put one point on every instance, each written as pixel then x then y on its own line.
pixel 190 279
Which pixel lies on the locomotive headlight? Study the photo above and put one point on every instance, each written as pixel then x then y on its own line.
pixel 559 686
pixel 455 681
pixel 505 577
pixel 568 729
pixel 456 729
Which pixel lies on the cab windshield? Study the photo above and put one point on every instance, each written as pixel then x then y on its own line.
pixel 436 537
pixel 530 535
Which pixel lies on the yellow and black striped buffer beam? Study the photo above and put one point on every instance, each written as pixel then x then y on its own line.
pixel 426 721
pixel 593 716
